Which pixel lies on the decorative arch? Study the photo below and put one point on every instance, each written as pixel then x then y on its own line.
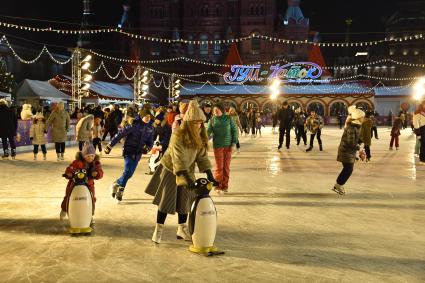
pixel 333 109
pixel 292 101
pixel 228 102
pixel 320 109
pixel 245 102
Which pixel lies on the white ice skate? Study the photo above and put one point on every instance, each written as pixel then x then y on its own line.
pixel 183 233
pixel 157 234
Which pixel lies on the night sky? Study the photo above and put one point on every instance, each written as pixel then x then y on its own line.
pixel 327 17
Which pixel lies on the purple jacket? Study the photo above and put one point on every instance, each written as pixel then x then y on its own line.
pixel 137 136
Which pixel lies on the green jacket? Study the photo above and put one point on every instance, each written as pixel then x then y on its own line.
pixel 223 130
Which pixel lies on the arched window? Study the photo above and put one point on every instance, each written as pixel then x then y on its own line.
pixel 203 47
pixel 190 48
pixel 217 46
pixel 317 107
pixel 255 45
pixel 338 108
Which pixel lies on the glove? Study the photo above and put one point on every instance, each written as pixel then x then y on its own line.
pixel 145 150
pixel 189 181
pixel 210 177
pixel 108 149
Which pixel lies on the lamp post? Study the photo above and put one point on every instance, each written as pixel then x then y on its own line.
pixel 141 85
pixel 80 81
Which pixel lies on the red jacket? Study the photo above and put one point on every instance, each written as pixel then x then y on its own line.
pixel 80 163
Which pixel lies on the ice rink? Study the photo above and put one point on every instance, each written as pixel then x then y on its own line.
pixel 280 221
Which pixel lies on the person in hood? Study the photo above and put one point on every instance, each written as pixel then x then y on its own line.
pixel 348 147
pixel 138 140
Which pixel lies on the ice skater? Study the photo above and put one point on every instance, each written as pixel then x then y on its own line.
pixel 348 147
pixel 38 135
pixel 285 116
pixel 314 124
pixel 366 135
pixel 59 121
pixel 97 134
pixel 138 139
pixel 88 160
pixel 259 124
pixel 8 129
pixel 395 133
pixel 169 185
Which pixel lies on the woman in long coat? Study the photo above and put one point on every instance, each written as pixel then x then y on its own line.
pixel 171 183
pixel 59 121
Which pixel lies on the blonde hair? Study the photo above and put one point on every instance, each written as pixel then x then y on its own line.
pixel 192 136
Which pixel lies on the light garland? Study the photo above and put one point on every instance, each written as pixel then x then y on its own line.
pixel 217 41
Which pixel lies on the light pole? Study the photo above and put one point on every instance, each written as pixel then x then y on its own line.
pixel 141 85
pixel 80 81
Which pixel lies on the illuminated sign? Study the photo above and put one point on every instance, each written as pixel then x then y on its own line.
pixel 292 72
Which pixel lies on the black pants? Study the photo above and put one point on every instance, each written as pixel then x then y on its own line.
pixel 422 153
pixel 367 150
pixel 80 145
pixel 43 149
pixel 60 147
pixel 112 133
pixel 317 134
pixel 374 130
pixel 287 133
pixel 97 143
pixel 345 174
pixel 301 134
pixel 6 144
pixel 238 145
pixel 253 130
pixel 161 216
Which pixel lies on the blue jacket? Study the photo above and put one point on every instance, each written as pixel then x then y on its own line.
pixel 137 136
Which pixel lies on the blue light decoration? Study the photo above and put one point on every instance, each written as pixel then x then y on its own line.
pixel 292 72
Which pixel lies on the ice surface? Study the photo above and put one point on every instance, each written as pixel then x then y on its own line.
pixel 280 221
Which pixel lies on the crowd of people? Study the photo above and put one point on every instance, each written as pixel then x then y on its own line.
pixel 182 132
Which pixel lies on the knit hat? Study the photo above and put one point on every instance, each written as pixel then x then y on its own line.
pixel 88 149
pixel 351 108
pixel 357 114
pixel 146 110
pixel 39 115
pixel 194 112
pixel 160 116
pixel 220 106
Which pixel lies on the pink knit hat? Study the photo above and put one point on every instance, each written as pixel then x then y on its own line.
pixel 88 149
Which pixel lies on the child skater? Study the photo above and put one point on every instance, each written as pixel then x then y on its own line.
pixel 97 134
pixel 259 124
pixel 85 159
pixel 395 133
pixel 37 135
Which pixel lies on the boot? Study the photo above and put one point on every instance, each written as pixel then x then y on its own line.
pixel 157 234
pixel 5 154
pixel 58 157
pixel 44 156
pixel 13 153
pixel 62 215
pixel 339 189
pixel 119 194
pixel 320 147
pixel 183 233
pixel 309 148
pixel 35 156
pixel 114 189
pixel 62 158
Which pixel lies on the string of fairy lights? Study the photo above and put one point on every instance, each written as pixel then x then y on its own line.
pixel 406 38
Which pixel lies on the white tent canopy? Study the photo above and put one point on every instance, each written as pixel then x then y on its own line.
pixel 32 89
pixel 5 95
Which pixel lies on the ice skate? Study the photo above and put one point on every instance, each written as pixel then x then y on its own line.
pixel 62 158
pixel 310 148
pixel 58 157
pixel 157 234
pixel 44 156
pixel 114 188
pixel 339 189
pixel 62 215
pixel 238 150
pixel 119 194
pixel 35 157
pixel 183 233
pixel 13 153
pixel 320 147
pixel 396 148
pixel 5 154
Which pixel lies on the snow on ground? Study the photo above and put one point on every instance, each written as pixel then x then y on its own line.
pixel 280 222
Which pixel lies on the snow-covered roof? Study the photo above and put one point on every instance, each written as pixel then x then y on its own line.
pixel 39 89
pixel 346 88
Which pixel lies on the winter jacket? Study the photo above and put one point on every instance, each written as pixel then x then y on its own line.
pixel 137 136
pixel 37 133
pixel 8 122
pixel 251 118
pixel 419 120
pixel 179 157
pixel 223 131
pixel 84 128
pixel 395 130
pixel 163 131
pixel 59 121
pixel 366 132
pixel 349 144
pixel 314 124
pixel 243 119
pixel 113 120
pixel 236 120
pixel 170 117
pixel 78 164
pixel 299 119
pixel 285 117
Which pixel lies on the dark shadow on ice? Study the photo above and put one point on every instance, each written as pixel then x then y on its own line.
pixel 55 227
pixel 372 196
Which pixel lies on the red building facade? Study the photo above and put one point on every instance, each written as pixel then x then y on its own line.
pixel 204 20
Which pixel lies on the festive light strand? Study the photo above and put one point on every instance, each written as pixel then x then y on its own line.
pixel 216 41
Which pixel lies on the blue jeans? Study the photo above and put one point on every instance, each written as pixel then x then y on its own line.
pixel 130 166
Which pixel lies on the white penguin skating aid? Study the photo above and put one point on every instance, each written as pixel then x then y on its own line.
pixel 203 220
pixel 80 205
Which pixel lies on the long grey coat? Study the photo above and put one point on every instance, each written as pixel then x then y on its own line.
pixel 349 144
pixel 59 120
pixel 84 128
pixel 169 191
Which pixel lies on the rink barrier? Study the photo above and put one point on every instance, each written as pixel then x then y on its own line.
pixel 25 143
